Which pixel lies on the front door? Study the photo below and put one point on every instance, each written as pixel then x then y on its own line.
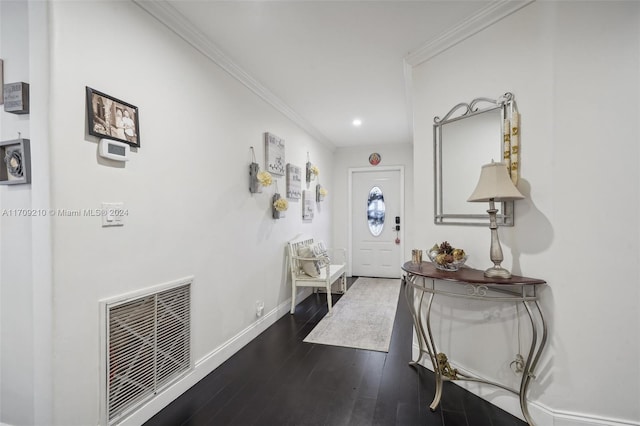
pixel 376 202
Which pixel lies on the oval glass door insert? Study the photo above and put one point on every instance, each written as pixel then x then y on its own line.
pixel 375 211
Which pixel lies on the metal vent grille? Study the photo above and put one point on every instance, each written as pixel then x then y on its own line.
pixel 148 347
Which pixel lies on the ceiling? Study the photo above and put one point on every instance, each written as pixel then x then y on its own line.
pixel 326 63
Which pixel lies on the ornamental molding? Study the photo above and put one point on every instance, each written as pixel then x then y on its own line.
pixel 482 19
pixel 183 28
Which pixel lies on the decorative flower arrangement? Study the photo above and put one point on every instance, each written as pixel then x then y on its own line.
pixel 446 257
pixel 265 178
pixel 314 170
pixel 323 191
pixel 281 204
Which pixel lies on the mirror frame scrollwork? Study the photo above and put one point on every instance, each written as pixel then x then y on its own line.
pixel 507 107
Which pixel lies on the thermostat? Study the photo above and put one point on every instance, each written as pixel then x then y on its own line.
pixel 114 150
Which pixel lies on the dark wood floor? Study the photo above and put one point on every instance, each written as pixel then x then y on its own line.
pixel 279 380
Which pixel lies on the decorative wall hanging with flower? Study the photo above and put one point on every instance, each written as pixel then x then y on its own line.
pixel 257 178
pixel 321 192
pixel 280 205
pixel 312 170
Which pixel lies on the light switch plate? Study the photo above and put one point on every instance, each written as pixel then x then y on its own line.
pixel 113 214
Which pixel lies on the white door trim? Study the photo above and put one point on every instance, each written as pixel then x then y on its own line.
pixel 353 170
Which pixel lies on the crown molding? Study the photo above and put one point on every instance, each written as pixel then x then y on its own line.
pixel 484 18
pixel 181 26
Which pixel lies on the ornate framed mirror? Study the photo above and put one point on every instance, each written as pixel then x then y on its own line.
pixel 469 136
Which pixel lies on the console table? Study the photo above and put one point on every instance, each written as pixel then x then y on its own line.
pixel 423 279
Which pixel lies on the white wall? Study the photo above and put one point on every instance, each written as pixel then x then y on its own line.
pixel 574 70
pixel 25 269
pixel 186 190
pixel 348 157
pixel 16 292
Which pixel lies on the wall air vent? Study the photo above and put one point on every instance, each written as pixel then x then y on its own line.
pixel 147 347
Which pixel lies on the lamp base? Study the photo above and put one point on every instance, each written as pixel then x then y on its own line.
pixel 497 272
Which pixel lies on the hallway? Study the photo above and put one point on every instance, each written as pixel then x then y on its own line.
pixel 279 380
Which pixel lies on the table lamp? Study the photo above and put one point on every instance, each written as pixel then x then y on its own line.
pixel 495 185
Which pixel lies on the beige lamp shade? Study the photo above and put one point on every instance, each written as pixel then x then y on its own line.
pixel 495 184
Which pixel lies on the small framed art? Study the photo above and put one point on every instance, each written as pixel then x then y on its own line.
pixel 16 98
pixel 15 165
pixel 274 153
pixel 308 204
pixel 294 182
pixel 112 118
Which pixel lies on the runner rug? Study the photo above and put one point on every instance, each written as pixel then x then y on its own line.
pixel 362 318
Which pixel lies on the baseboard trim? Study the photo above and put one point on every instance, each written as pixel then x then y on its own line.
pixel 210 362
pixel 569 419
pixel 541 414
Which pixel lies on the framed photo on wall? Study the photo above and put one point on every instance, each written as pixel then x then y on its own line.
pixel 112 118
pixel 274 154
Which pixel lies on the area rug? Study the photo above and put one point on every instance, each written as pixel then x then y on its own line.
pixel 362 318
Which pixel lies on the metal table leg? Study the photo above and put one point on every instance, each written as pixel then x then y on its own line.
pixel 532 358
pixel 477 289
pixel 425 338
pixel 409 293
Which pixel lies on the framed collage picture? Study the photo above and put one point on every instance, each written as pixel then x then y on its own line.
pixel 112 118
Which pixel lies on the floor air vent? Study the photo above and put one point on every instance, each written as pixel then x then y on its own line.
pixel 148 346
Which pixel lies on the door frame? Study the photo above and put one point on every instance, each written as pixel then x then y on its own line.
pixel 351 172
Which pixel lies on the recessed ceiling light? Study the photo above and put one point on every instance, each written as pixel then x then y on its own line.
pixel 357 122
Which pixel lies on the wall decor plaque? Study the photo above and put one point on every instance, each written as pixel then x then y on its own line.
pixel 274 154
pixel 15 162
pixel 294 182
pixel 16 98
pixel 374 159
pixel 308 204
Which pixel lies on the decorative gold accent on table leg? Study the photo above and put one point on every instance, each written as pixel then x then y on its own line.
pixel 445 367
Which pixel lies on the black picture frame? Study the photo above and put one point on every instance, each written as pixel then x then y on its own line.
pixel 103 113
